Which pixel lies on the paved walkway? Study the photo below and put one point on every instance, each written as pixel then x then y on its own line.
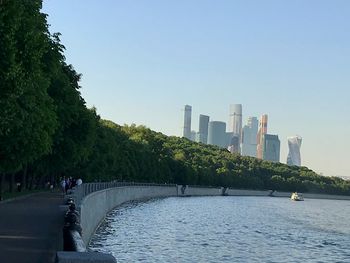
pixel 31 229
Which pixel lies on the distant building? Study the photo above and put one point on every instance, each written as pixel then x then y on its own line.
pixel 262 130
pixel 187 122
pixel 202 135
pixel 271 148
pixel 228 138
pixel 235 124
pixel 294 144
pixel 193 136
pixel 249 137
pixel 235 121
pixel 234 143
pixel 217 133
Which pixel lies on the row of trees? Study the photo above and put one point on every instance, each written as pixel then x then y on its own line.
pixel 45 127
pixel 140 154
pixel 46 130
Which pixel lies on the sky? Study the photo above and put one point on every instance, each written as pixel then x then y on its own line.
pixel 142 61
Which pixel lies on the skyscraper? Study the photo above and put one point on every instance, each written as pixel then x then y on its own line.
pixel 271 148
pixel 233 145
pixel 217 133
pixel 187 122
pixel 249 137
pixel 235 122
pixel 262 130
pixel 202 135
pixel 294 144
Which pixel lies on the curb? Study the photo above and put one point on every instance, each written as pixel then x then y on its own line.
pixel 19 198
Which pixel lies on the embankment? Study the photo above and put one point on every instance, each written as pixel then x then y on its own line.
pixel 95 206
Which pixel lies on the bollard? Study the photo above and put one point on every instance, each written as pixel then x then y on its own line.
pixel 69 201
pixel 223 191
pixel 72 231
pixel 183 188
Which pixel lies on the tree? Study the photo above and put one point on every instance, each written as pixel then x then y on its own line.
pixel 27 116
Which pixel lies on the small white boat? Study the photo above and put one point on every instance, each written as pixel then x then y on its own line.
pixel 297 197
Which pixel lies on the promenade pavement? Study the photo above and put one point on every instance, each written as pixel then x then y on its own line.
pixel 31 229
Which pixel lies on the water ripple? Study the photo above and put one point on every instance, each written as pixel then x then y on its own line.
pixel 227 229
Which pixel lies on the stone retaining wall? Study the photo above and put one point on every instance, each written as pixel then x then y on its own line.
pixel 95 206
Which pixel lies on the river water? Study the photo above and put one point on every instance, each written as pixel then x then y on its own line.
pixel 227 229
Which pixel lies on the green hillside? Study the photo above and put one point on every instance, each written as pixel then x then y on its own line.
pixel 139 154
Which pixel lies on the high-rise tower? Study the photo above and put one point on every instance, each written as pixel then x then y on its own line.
pixel 217 133
pixel 234 143
pixel 202 135
pixel 249 133
pixel 294 144
pixel 187 122
pixel 271 148
pixel 259 138
pixel 235 122
pixel 235 118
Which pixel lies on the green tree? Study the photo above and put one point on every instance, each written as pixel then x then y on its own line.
pixel 27 116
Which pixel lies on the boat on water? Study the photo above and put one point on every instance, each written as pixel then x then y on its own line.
pixel 297 197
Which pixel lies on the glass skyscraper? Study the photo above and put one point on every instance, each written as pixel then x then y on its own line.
pixel 249 137
pixel 271 148
pixel 262 130
pixel 294 144
pixel 202 135
pixel 187 122
pixel 235 118
pixel 235 123
pixel 217 133
pixel 233 143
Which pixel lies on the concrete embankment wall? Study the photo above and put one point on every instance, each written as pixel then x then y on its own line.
pixel 313 196
pixel 206 191
pixel 241 192
pixel 284 194
pixel 95 206
pixel 322 196
pixel 199 191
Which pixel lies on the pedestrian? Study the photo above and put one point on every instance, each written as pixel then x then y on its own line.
pixel 67 185
pixel 63 185
pixel 79 182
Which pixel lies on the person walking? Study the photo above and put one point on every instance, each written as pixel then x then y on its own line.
pixel 63 185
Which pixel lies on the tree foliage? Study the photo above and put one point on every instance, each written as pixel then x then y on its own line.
pixel 139 154
pixel 27 118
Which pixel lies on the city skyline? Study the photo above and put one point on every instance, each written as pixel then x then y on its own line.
pixel 140 62
pixel 251 140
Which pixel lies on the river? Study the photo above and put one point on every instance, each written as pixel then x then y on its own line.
pixel 227 229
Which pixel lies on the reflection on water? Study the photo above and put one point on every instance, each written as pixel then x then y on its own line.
pixel 227 229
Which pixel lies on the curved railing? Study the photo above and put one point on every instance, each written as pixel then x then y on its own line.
pixel 79 192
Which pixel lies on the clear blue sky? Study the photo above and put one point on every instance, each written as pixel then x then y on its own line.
pixel 143 60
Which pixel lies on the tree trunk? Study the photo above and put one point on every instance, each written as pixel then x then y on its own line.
pixel 2 182
pixel 11 182
pixel 52 179
pixel 24 178
pixel 31 182
pixel 42 182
